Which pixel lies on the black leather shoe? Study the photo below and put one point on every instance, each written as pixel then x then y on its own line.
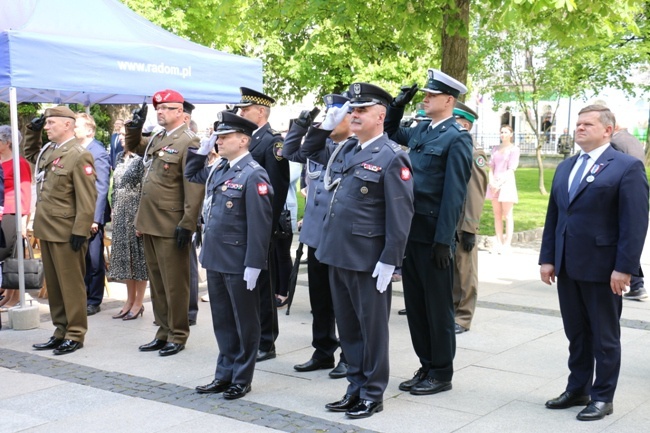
pixel 236 391
pixel 365 408
pixel 214 387
pixel 171 349
pixel 596 410
pixel 68 346
pixel 52 343
pixel 402 312
pixel 264 355
pixel 459 329
pixel 192 322
pixel 92 309
pixel 155 344
pixel 567 399
pixel 343 405
pixel 430 386
pixel 340 371
pixel 417 378
pixel 314 364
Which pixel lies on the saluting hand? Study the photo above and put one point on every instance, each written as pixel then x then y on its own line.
pixel 334 116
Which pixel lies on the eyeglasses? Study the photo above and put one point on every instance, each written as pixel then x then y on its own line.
pixel 166 107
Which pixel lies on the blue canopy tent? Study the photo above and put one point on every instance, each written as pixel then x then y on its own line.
pixel 101 52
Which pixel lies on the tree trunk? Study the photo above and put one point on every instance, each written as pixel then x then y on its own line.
pixel 120 111
pixel 455 47
pixel 540 167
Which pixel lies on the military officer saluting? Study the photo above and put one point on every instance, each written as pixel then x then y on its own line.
pixel 466 263
pixel 169 209
pixel 65 183
pixel 266 149
pixel 363 239
pixel 235 250
pixel 441 153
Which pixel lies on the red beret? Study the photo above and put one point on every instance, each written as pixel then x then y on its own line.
pixel 167 95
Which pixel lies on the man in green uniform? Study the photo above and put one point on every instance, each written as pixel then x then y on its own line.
pixel 65 182
pixel 466 263
pixel 169 209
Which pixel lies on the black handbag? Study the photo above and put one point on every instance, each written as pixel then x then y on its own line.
pixel 284 225
pixel 34 275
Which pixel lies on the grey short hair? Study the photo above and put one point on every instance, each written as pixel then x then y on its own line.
pixel 5 134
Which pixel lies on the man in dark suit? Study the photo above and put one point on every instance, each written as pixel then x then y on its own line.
pixel 627 143
pixel 441 153
pixel 266 148
pixel 594 233
pixel 95 277
pixel 466 259
pixel 363 239
pixel 117 142
pixel 323 326
pixel 235 250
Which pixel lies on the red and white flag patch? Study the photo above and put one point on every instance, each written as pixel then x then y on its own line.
pixel 405 174
pixel 88 169
pixel 262 189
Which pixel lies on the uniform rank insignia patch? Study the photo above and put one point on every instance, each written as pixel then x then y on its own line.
pixel 371 167
pixel 262 189
pixel 277 150
pixel 88 169
pixel 405 174
pixel 480 161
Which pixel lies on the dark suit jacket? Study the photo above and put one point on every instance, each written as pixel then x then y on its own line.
pixel 603 229
pixel 103 171
pixel 115 149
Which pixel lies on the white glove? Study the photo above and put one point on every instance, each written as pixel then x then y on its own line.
pixel 250 276
pixel 207 145
pixel 334 116
pixel 383 273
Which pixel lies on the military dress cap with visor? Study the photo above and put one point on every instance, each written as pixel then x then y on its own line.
pixel 188 108
pixel 165 96
pixel 253 97
pixel 366 95
pixel 229 122
pixel 462 110
pixel 60 111
pixel 334 100
pixel 439 82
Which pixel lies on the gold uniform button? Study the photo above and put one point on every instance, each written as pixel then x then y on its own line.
pixel 229 204
pixel 224 188
pixel 161 153
pixel 364 190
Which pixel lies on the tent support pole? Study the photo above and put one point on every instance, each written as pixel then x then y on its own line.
pixel 15 149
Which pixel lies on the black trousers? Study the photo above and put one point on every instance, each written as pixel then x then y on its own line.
pixel 430 305
pixel 194 282
pixel 268 311
pixel 323 326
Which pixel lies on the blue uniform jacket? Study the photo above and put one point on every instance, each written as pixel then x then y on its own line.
pixel 442 166
pixel 238 230
pixel 370 211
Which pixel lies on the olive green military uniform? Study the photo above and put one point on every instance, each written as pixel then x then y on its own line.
pixel 169 200
pixel 466 263
pixel 66 196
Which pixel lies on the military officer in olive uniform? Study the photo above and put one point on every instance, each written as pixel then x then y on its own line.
pixel 167 216
pixel 65 208
pixel 323 326
pixel 363 239
pixel 266 149
pixel 235 250
pixel 441 153
pixel 466 263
